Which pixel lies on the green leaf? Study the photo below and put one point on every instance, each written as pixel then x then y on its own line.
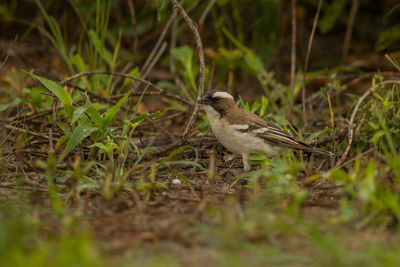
pixel 255 156
pixel 174 104
pixel 232 57
pixel 77 61
pixel 373 125
pixel 339 175
pixel 388 37
pixel 80 111
pixel 84 129
pixel 154 115
pixel 15 103
pixel 64 128
pixel 110 114
pixel 203 125
pixel 135 72
pixel 264 105
pixel 317 134
pixel 172 154
pixel 331 15
pixel 56 36
pixel 234 40
pixel 55 88
pixel 185 162
pixel 394 62
pixel 162 4
pixel 106 148
pixel 184 55
pixel 99 145
pixel 100 48
pixel 378 96
pixel 94 115
pixel 36 98
pixel 254 62
pixel 168 85
pixel 61 141
pixel 187 182
pixel 377 136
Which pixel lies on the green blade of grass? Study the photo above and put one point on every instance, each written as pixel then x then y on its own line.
pixel 101 49
pixel 173 154
pixel 153 115
pixel 84 129
pixel 113 110
pixel 80 111
pixel 55 88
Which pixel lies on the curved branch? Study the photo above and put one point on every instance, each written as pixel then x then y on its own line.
pixel 201 81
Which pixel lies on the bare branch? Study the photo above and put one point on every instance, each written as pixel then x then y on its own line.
pixel 202 74
pixel 293 56
pixel 310 41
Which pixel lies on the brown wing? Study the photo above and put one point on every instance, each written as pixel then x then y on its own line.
pixel 278 137
pixel 269 131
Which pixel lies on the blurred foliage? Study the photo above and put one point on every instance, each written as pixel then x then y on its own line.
pixel 331 14
pixel 242 40
pixel 88 33
pixel 22 242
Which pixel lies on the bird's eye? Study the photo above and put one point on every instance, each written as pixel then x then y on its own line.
pixel 216 99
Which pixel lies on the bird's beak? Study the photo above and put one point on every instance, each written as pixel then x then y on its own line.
pixel 204 100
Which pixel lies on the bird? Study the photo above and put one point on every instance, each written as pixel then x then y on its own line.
pixel 243 132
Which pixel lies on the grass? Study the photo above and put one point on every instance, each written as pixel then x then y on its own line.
pixel 81 187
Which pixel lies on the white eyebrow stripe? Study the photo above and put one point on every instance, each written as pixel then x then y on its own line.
pixel 222 95
pixel 240 126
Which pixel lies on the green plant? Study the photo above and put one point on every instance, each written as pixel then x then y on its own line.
pixel 373 185
pixel 96 29
pixel 56 36
pixel 22 241
pixel 332 15
pixel 184 55
pixel 50 168
pixel 372 200
pixel 255 65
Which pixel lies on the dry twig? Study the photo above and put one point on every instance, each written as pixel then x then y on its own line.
pixel 203 15
pixel 155 60
pixel 10 127
pixel 310 41
pixel 202 74
pixel 8 52
pixel 349 29
pixel 293 56
pixel 27 163
pixel 350 126
pixel 158 43
pixel 133 19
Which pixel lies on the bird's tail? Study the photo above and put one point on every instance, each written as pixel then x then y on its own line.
pixel 314 150
pixel 321 152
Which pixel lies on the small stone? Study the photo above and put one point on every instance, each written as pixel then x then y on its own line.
pixel 176 181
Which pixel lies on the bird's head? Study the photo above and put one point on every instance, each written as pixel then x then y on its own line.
pixel 218 100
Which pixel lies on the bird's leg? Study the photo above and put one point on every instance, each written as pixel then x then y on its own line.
pixel 246 163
